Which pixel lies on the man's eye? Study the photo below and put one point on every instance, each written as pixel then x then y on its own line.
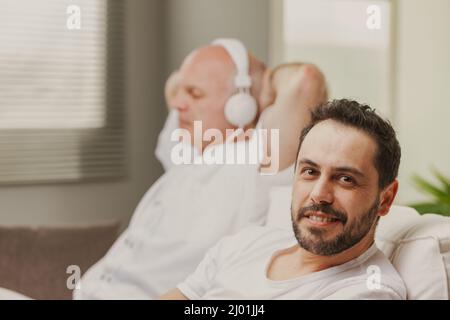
pixel 347 179
pixel 195 94
pixel 308 172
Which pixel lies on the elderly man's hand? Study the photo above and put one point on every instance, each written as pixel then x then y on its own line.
pixel 303 79
pixel 311 85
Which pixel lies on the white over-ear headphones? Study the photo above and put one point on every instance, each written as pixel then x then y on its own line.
pixel 241 108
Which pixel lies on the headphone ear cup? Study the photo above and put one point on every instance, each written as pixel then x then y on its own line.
pixel 241 109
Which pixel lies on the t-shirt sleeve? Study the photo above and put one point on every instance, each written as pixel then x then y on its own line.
pixel 360 291
pixel 199 282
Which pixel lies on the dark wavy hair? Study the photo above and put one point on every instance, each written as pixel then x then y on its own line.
pixel 361 116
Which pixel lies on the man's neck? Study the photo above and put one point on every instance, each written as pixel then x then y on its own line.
pixel 311 262
pixel 296 261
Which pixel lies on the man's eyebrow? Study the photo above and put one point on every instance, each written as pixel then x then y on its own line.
pixel 338 169
pixel 349 169
pixel 307 161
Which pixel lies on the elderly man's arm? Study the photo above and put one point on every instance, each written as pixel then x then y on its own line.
pixel 293 90
pixel 174 294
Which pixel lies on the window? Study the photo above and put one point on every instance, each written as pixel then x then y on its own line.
pixel 61 91
pixel 334 35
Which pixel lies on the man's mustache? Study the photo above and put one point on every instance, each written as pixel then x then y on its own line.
pixel 324 208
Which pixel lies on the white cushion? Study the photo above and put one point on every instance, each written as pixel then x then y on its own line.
pixel 6 294
pixel 418 246
pixel 279 214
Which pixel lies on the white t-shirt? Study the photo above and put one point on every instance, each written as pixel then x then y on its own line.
pixel 236 268
pixel 180 217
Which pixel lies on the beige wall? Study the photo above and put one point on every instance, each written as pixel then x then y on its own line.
pixel 192 23
pixel 423 90
pixel 83 203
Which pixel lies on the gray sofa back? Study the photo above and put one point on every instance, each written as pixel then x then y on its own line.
pixel 34 261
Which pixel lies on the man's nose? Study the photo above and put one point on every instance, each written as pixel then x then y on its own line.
pixel 322 192
pixel 181 102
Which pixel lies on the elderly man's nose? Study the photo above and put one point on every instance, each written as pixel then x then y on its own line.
pixel 180 102
pixel 322 192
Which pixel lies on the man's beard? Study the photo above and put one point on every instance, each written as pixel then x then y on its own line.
pixel 314 242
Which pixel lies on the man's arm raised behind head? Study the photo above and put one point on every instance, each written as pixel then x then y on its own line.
pixel 294 90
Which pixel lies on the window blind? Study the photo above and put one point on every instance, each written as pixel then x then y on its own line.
pixel 61 91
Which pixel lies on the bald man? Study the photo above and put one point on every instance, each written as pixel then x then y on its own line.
pixel 191 91
pixel 191 207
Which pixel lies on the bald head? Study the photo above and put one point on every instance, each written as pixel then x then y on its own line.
pixel 221 67
pixel 200 89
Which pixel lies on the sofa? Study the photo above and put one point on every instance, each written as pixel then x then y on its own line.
pixel 34 261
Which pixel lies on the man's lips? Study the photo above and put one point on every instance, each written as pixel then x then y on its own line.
pixel 320 219
pixel 320 215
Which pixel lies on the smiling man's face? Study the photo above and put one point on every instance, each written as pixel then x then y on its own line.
pixel 335 197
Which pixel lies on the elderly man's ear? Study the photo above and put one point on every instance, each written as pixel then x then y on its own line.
pixel 171 87
pixel 387 198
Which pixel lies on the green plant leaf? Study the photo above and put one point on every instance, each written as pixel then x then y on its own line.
pixel 444 180
pixel 438 208
pixel 442 196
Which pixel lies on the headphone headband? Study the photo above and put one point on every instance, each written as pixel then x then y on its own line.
pixel 238 54
pixel 241 108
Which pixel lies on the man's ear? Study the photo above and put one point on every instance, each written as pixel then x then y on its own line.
pixel 387 198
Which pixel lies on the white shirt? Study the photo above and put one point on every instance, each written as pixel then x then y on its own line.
pixel 236 268
pixel 180 217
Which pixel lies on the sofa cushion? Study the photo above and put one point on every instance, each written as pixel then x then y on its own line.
pixel 418 247
pixel 34 261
